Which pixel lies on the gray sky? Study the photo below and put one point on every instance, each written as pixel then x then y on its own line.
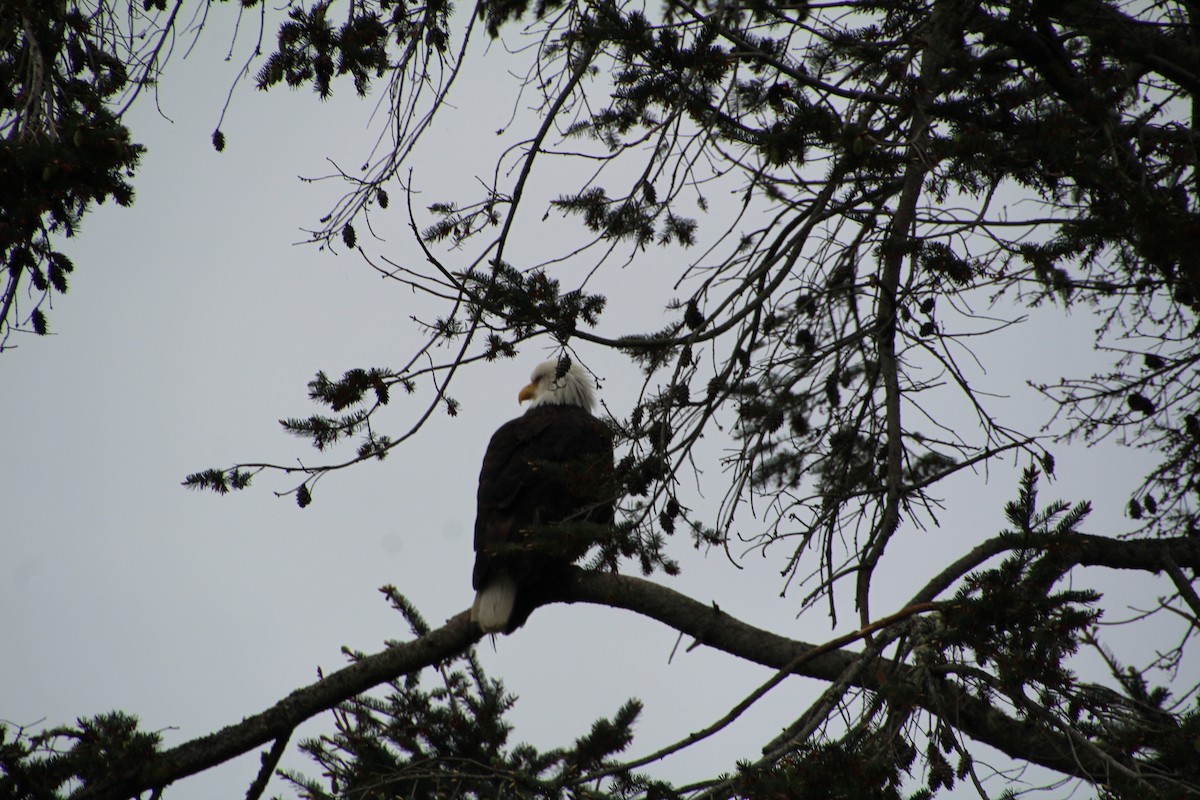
pixel 193 323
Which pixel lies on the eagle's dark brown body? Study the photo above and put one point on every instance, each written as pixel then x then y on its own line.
pixel 551 465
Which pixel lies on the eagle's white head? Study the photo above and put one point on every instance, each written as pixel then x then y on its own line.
pixel 574 388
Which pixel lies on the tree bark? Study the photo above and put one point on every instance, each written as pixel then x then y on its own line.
pixel 708 625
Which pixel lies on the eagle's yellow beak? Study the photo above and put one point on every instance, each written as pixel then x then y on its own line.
pixel 527 393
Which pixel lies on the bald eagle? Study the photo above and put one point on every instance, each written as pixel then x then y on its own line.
pixel 551 465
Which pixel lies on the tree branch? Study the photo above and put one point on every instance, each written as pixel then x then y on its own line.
pixel 199 754
pixel 708 625
pixel 270 760
pixel 971 715
pixel 1084 550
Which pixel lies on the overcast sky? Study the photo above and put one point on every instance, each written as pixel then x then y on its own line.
pixel 194 322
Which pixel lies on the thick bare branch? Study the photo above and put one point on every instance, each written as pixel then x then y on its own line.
pixel 280 719
pixel 708 625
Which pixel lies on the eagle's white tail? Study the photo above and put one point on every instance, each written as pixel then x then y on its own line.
pixel 494 604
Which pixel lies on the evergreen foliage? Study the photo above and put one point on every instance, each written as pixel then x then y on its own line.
pixel 58 762
pixel 63 145
pixel 867 766
pixel 853 195
pixel 452 741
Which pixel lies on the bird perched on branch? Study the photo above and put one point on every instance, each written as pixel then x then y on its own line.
pixel 545 495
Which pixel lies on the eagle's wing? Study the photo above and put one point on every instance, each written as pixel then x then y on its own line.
pixel 548 465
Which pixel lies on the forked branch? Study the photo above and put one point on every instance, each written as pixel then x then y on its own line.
pixel 705 623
